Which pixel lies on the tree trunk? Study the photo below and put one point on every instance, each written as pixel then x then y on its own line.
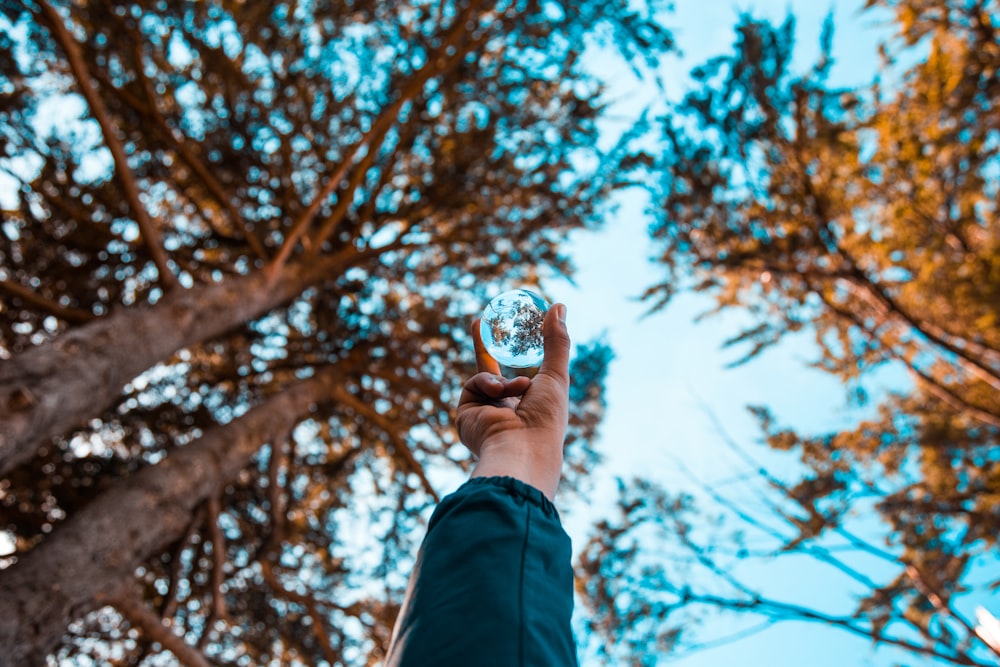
pixel 91 558
pixel 50 389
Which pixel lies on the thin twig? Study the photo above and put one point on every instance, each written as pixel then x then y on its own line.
pixel 819 553
pixel 920 583
pixel 343 205
pixel 721 641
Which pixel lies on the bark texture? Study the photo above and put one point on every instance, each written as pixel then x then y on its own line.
pixel 50 389
pixel 90 559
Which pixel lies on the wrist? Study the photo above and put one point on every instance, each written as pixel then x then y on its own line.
pixel 536 464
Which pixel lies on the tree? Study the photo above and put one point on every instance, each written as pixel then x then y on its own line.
pixel 238 261
pixel 870 220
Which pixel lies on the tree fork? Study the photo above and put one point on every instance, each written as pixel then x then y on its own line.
pixel 438 63
pixel 125 176
pixel 50 389
pixel 90 560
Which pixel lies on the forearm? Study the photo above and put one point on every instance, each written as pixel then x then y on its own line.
pixel 537 465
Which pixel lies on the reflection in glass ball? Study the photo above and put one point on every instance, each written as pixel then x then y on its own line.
pixel 511 328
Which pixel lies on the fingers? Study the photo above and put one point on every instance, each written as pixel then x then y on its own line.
pixel 484 362
pixel 516 386
pixel 557 344
pixel 492 387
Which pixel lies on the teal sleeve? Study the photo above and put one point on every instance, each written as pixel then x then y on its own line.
pixel 492 585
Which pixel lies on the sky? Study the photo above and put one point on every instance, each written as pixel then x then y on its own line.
pixel 668 368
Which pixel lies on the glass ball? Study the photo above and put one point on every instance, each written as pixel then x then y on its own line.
pixel 511 328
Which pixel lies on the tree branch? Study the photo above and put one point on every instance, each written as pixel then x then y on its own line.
pixel 72 315
pixel 956 402
pixel 437 63
pixel 275 497
pixel 170 601
pixel 920 582
pixel 205 176
pixel 819 553
pixel 722 641
pixel 218 612
pixel 876 292
pixel 309 603
pixel 360 174
pixel 937 601
pixel 135 520
pixel 139 616
pixel 399 446
pixel 784 611
pixel 122 169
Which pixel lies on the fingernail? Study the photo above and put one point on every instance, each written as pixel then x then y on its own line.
pixel 561 313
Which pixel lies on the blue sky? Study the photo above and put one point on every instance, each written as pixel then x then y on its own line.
pixel 668 367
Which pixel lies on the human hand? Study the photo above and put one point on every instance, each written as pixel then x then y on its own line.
pixel 516 427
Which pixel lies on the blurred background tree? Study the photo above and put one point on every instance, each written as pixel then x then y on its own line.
pixel 241 244
pixel 868 219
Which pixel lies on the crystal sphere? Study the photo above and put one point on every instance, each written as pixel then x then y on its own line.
pixel 511 328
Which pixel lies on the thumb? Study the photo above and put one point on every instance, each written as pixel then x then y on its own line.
pixel 555 362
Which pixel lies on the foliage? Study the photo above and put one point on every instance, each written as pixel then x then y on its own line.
pixel 164 146
pixel 589 370
pixel 870 220
pixel 627 591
